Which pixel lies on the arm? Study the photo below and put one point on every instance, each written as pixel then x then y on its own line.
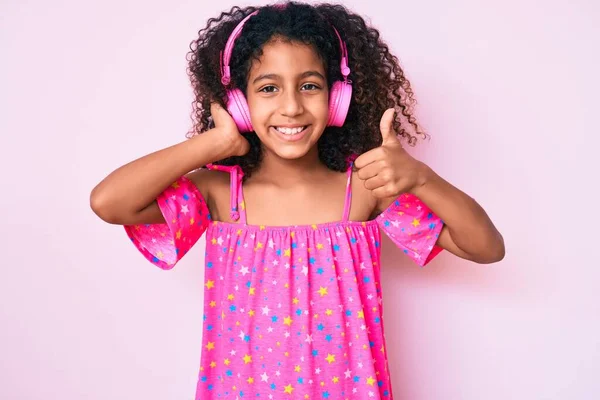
pixel 389 171
pixel 128 195
pixel 468 232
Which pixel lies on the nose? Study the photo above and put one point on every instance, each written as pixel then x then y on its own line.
pixel 291 103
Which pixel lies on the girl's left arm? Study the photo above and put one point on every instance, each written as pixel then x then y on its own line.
pixel 388 171
pixel 468 232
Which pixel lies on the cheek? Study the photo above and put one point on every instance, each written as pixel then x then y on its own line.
pixel 259 109
pixel 324 107
pixel 319 105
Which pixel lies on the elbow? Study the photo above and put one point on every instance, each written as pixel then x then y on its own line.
pixel 491 258
pixel 100 205
pixel 495 251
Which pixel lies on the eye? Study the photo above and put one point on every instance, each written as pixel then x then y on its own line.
pixel 314 87
pixel 267 87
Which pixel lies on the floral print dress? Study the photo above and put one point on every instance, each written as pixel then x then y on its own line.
pixel 290 312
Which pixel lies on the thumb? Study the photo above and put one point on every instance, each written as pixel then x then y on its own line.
pixel 386 127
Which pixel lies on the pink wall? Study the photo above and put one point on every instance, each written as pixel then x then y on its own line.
pixel 509 92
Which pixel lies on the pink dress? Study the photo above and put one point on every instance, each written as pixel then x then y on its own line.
pixel 290 312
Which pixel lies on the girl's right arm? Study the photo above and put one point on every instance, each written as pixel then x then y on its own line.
pixel 128 195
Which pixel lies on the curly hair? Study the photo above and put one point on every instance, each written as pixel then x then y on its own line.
pixel 378 81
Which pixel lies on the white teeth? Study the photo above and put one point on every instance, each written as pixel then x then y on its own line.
pixel 290 131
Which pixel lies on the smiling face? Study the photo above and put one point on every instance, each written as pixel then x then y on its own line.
pixel 288 99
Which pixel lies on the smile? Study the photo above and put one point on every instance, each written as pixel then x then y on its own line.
pixel 290 131
pixel 291 134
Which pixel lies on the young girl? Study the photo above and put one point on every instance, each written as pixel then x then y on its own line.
pixel 297 165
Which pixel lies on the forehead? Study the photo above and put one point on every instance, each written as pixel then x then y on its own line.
pixel 287 59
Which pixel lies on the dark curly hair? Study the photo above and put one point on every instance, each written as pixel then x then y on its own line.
pixel 378 81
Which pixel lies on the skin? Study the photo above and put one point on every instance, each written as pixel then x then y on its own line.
pixel 288 86
pixel 388 171
pixel 292 187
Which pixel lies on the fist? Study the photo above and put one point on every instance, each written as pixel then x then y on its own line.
pixel 388 170
pixel 227 129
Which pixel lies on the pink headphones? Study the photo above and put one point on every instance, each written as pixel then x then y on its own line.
pixel 339 97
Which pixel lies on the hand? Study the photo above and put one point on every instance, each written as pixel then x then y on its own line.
pixel 236 144
pixel 388 170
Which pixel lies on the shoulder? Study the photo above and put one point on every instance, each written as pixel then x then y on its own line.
pixel 208 181
pixel 384 204
pixel 363 196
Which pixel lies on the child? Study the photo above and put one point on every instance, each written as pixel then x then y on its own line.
pixel 297 166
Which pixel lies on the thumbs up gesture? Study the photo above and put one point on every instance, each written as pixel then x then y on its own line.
pixel 388 170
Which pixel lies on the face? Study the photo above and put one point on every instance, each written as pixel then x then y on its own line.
pixel 288 99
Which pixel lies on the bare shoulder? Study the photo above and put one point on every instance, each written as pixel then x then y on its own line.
pixel 384 204
pixel 209 181
pixel 363 199
pixel 214 187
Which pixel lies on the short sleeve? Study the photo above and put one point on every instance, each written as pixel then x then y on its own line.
pixel 186 219
pixel 413 227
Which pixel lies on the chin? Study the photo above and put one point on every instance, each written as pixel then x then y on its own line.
pixel 291 153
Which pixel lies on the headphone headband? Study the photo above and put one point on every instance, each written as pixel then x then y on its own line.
pixel 225 57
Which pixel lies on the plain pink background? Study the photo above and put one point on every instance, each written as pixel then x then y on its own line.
pixel 508 91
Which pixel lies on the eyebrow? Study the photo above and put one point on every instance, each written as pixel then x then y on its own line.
pixel 275 76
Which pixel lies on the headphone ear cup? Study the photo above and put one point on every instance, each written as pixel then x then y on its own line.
pixel 238 108
pixel 339 103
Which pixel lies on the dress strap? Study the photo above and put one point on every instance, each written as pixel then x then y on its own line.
pixel 238 206
pixel 348 197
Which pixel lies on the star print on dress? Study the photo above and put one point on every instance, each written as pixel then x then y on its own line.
pixel 291 312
